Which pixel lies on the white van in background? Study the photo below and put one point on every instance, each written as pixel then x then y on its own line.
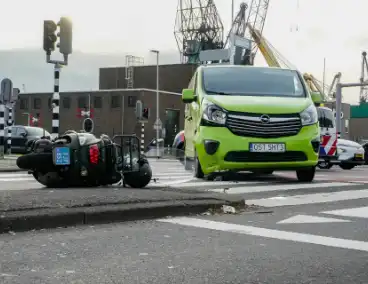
pixel 328 155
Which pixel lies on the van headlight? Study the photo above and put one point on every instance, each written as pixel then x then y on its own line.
pixel 309 116
pixel 213 113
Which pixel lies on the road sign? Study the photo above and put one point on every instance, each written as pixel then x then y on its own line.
pixel 6 90
pixel 158 124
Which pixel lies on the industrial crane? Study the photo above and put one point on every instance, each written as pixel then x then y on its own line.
pixel 275 59
pixel 256 20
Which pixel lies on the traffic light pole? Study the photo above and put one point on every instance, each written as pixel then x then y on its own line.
pixel 2 127
pixel 142 138
pixel 65 47
pixel 56 102
pixel 10 124
pixel 56 94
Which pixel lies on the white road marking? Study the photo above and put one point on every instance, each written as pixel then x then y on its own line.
pixel 310 198
pixel 219 183
pixel 279 187
pixel 307 219
pixel 169 183
pixel 16 179
pixel 269 233
pixel 359 212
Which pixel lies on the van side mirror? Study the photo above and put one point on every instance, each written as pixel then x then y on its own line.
pixel 188 96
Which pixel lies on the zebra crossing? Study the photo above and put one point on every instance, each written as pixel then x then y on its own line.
pixel 171 174
pixel 164 173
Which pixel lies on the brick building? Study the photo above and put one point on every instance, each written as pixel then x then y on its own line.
pixel 114 105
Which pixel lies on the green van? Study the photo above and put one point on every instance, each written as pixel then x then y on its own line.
pixel 246 118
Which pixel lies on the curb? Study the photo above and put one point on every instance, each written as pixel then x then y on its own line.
pixel 20 221
pixel 12 170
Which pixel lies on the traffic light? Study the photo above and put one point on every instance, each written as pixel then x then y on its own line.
pixel 88 125
pixel 49 36
pixel 66 36
pixel 145 113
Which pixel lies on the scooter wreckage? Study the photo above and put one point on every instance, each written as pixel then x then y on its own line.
pixel 79 159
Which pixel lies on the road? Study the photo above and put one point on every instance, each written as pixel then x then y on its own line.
pixel 221 249
pixel 296 233
pixel 171 173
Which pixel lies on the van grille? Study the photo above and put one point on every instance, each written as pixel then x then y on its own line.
pixel 250 125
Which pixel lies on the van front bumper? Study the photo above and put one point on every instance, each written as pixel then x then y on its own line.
pixel 218 149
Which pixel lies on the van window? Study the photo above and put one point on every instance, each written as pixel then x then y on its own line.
pixel 326 118
pixel 252 81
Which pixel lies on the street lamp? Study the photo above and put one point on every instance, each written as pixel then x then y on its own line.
pixel 157 99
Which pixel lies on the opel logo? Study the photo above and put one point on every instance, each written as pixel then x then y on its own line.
pixel 265 118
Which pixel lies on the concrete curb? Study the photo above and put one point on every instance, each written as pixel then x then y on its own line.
pixel 11 170
pixel 18 221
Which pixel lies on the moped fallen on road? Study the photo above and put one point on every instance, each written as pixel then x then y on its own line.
pixel 79 159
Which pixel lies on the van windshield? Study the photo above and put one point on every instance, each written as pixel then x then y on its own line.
pixel 252 81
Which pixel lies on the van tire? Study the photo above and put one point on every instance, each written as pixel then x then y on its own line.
pixel 198 173
pixel 306 175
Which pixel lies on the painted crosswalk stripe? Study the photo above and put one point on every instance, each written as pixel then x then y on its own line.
pixel 218 183
pixel 309 198
pixel 167 183
pixel 279 187
pixel 268 233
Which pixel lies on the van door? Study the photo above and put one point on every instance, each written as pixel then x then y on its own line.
pixel 328 132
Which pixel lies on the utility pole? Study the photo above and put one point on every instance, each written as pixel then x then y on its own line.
pixel 50 37
pixel 158 123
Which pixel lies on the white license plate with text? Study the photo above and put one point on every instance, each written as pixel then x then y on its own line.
pixel 267 147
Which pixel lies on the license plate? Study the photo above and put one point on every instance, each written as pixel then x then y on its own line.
pixel 61 156
pixel 359 156
pixel 267 147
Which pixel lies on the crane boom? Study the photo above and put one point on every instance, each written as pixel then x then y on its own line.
pixel 257 17
pixel 263 47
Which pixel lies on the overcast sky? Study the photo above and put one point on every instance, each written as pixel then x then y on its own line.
pixel 331 29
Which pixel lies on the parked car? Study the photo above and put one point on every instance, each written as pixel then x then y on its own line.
pixel 350 154
pixel 23 136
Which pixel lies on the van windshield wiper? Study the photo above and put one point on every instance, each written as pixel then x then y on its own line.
pixel 218 93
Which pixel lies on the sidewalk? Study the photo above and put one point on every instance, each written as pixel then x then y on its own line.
pixel 22 210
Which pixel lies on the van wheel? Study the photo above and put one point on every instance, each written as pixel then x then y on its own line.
pixel 306 175
pixel 198 168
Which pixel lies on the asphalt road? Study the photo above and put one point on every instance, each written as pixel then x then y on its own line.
pixel 299 233
pixel 226 250
pixel 171 173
